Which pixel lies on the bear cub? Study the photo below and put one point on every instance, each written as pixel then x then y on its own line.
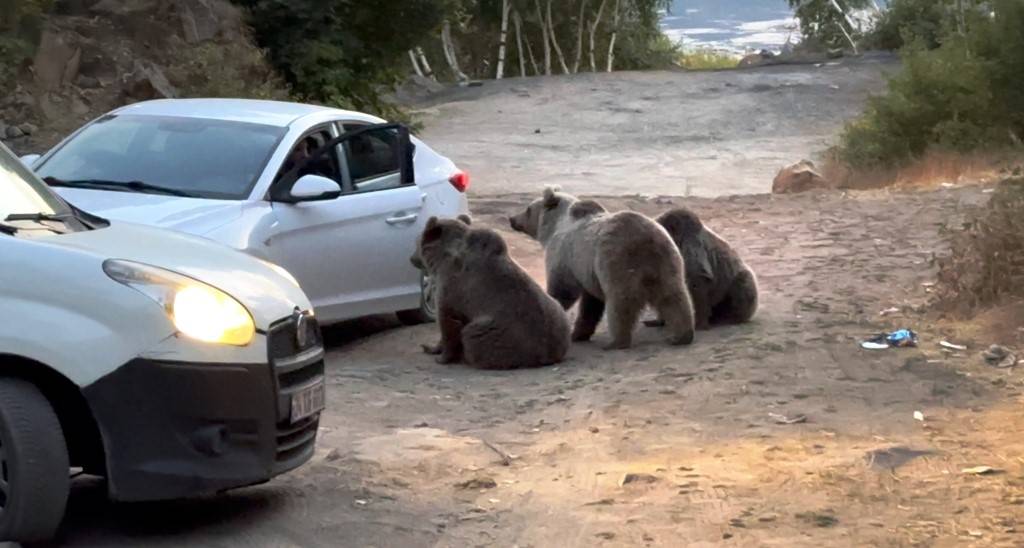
pixel 491 313
pixel 722 286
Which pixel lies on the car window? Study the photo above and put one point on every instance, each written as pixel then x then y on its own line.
pixel 373 159
pixel 205 158
pixel 324 165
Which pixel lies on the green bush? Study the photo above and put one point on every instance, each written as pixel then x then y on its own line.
pixel 908 20
pixel 963 95
pixel 706 59
pixel 822 24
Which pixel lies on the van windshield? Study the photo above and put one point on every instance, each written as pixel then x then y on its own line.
pixel 21 192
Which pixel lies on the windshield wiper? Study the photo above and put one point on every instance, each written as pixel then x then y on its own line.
pixel 37 217
pixel 8 229
pixel 121 186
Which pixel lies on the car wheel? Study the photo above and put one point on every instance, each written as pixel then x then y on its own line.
pixel 34 480
pixel 427 312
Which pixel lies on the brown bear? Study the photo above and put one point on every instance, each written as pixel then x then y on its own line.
pixel 491 313
pixel 623 260
pixel 722 286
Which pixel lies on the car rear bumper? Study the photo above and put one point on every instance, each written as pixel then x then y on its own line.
pixel 173 430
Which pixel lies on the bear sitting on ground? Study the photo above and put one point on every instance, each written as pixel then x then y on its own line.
pixel 624 261
pixel 722 286
pixel 492 314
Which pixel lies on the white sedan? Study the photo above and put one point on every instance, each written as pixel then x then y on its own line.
pixel 337 198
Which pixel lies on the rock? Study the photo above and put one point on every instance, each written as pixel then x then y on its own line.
pixel 799 177
pixel 477 484
pixel 56 61
pixel 999 356
pixel 756 59
pixel 818 519
pixel 147 81
pixel 199 23
pixel 13 132
pixel 28 129
pixel 87 82
pixel 639 478
pixel 333 455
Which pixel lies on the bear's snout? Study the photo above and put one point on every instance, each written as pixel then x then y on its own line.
pixel 415 260
pixel 512 222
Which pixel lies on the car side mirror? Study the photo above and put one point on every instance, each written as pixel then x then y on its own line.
pixel 314 188
pixel 29 159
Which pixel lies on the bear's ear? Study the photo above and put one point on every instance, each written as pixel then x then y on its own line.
pixel 432 231
pixel 466 219
pixel 550 197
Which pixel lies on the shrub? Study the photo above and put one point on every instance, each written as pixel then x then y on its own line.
pixel 706 59
pixel 963 95
pixel 986 262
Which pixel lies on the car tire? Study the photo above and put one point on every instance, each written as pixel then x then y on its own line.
pixel 427 312
pixel 34 479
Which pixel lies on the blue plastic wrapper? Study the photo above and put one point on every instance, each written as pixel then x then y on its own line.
pixel 896 339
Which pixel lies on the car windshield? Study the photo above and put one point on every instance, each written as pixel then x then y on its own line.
pixel 21 192
pixel 165 155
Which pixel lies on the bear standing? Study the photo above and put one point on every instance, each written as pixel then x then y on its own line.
pixel 722 286
pixel 624 261
pixel 492 314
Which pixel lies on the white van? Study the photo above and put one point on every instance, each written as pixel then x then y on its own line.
pixel 168 364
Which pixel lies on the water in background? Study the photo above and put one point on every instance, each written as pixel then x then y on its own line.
pixel 734 25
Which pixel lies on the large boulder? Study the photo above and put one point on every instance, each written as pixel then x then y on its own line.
pixel 799 177
pixel 57 60
pixel 146 81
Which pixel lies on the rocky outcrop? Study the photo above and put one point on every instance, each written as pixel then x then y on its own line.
pixel 799 177
pixel 96 55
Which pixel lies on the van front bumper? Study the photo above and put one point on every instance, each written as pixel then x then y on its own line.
pixel 174 430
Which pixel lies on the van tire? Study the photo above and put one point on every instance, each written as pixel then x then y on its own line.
pixel 34 479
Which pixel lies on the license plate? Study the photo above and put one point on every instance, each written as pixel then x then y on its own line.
pixel 308 401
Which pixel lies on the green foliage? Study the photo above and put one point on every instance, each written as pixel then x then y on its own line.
pixel 822 23
pixel 342 52
pixel 706 59
pixel 235 69
pixel 908 20
pixel 963 95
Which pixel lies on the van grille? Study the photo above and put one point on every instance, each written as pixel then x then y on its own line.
pixel 296 366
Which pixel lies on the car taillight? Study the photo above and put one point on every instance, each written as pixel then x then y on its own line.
pixel 460 181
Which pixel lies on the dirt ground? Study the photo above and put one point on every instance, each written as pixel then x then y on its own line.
pixel 675 133
pixel 661 446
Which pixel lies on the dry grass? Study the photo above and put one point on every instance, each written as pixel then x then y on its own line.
pixel 934 169
pixel 986 264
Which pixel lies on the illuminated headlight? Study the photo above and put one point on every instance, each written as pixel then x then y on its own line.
pixel 198 310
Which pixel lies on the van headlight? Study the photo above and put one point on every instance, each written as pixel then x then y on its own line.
pixel 198 310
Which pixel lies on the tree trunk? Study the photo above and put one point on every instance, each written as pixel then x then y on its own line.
pixel 615 34
pixel 504 36
pixel 415 65
pixel 554 41
pixel 426 66
pixel 579 37
pixel 544 33
pixel 593 33
pixel 529 49
pixel 519 45
pixel 449 52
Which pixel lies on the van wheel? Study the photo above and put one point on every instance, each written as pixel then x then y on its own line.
pixel 427 312
pixel 34 480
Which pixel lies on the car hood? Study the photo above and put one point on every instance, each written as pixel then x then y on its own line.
pixel 192 215
pixel 268 295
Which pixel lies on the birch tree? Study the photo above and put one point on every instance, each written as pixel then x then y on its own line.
pixel 544 34
pixel 505 7
pixel 519 44
pixel 615 34
pixel 593 35
pixel 554 41
pixel 450 55
pixel 581 24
